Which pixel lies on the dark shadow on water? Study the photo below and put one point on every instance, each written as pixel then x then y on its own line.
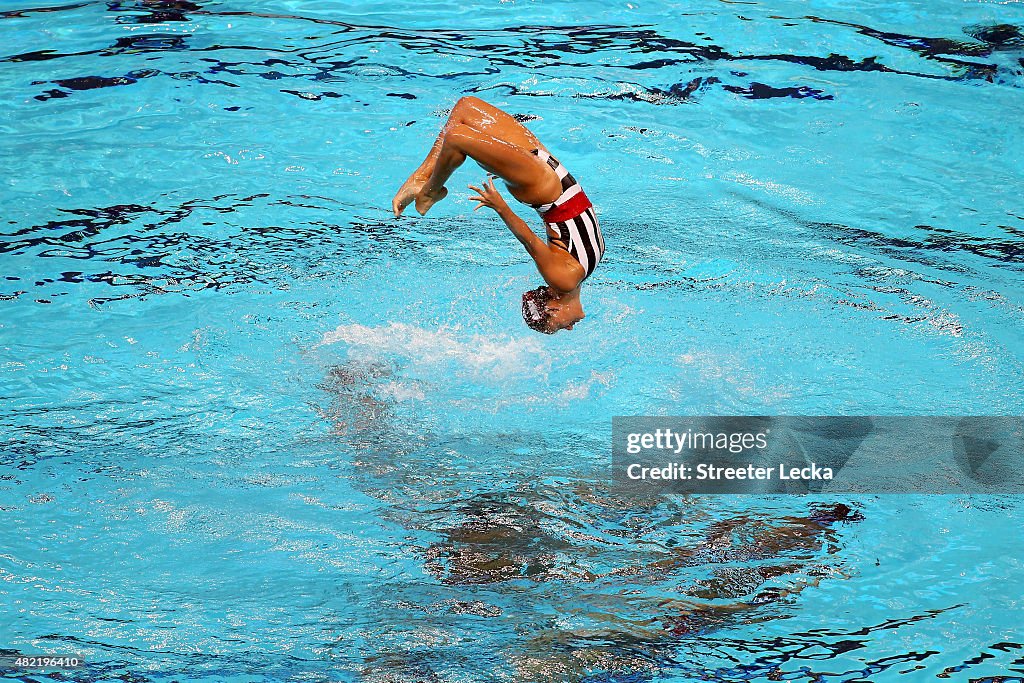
pixel 650 586
pixel 568 49
pixel 152 249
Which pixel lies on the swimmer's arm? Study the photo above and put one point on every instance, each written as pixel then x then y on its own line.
pixel 488 196
pixel 552 266
pixel 528 238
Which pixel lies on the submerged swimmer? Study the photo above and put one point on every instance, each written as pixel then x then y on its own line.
pixel 505 148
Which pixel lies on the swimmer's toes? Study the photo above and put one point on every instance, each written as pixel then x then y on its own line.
pixel 405 195
pixel 398 205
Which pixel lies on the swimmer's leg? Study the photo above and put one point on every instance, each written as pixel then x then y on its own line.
pixel 515 165
pixel 478 114
pixel 412 186
pixel 470 112
pixel 529 179
pixel 461 113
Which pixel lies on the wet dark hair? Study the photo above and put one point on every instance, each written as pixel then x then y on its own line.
pixel 535 309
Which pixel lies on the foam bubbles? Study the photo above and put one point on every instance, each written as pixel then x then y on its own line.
pixel 495 356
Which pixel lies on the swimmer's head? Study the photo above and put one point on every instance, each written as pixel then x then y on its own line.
pixel 544 312
pixel 535 309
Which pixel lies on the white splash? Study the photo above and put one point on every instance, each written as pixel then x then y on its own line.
pixel 496 356
pixel 401 392
pixel 578 391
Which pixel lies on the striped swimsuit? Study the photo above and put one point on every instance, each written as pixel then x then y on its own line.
pixel 572 217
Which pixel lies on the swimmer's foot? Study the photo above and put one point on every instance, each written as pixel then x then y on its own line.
pixel 425 199
pixel 407 193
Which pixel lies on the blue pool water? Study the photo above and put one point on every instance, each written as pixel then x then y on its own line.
pixel 252 428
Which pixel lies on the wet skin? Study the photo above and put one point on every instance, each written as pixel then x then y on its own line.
pixel 503 147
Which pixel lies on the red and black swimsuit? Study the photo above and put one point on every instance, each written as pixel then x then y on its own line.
pixel 572 217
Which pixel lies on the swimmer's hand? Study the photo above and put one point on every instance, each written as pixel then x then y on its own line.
pixel 488 196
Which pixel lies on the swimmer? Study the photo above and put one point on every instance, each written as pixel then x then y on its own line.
pixel 505 148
